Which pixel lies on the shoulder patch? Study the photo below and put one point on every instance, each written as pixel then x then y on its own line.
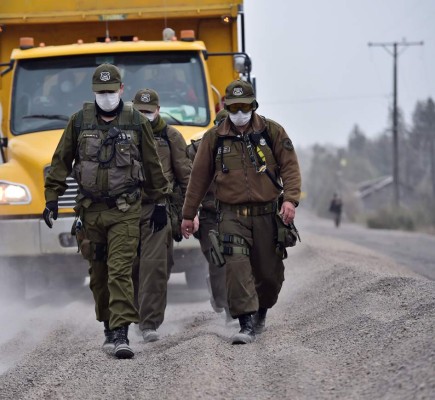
pixel 287 144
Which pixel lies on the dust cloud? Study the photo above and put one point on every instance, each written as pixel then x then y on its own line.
pixel 31 312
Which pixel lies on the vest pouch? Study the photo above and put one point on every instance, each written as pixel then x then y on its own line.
pixel 123 155
pixel 137 171
pixel 88 175
pixel 89 146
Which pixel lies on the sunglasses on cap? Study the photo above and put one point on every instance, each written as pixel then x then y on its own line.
pixel 234 108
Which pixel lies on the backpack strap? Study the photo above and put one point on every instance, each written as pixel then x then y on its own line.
pixel 78 123
pixel 164 135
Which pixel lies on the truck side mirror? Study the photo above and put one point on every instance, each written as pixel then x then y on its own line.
pixel 242 63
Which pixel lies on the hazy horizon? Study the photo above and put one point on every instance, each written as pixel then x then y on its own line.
pixel 317 76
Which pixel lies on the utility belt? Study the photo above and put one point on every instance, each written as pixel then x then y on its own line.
pixel 249 210
pixel 122 201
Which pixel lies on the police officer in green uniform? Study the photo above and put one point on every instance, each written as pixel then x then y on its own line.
pixel 109 148
pixel 208 221
pixel 150 276
pixel 254 167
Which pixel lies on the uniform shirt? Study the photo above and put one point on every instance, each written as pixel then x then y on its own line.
pixel 242 185
pixel 176 165
pixel 155 184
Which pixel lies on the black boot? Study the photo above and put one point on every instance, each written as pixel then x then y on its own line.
pixel 246 334
pixel 259 320
pixel 109 343
pixel 122 348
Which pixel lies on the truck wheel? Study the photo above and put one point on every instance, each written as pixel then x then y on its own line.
pixel 196 276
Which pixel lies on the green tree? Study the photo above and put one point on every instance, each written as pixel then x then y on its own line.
pixel 322 180
pixel 423 137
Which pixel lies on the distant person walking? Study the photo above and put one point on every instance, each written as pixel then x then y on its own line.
pixel 336 208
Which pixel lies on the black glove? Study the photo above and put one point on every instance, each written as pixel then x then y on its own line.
pixel 159 218
pixel 50 212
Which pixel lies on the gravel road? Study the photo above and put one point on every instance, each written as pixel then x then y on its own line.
pixel 353 321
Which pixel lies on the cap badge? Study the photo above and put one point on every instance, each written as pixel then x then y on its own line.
pixel 105 76
pixel 145 98
pixel 237 91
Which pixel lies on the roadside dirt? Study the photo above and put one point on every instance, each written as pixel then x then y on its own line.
pixel 350 323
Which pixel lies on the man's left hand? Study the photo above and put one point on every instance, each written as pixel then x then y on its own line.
pixel 50 212
pixel 287 212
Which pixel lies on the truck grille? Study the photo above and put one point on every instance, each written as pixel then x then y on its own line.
pixel 67 200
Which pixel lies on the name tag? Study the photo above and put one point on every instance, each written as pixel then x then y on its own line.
pixel 224 149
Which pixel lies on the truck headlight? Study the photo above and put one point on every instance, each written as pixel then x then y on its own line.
pixel 13 193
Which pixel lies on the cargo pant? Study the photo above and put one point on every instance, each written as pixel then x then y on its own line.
pixel 151 271
pixel 252 281
pixel 114 236
pixel 207 221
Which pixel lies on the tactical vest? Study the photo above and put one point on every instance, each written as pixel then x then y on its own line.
pixel 258 146
pixel 108 161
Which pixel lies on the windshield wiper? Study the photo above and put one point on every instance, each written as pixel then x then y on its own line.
pixel 48 116
pixel 175 119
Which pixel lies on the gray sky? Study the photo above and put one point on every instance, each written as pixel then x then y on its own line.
pixel 317 76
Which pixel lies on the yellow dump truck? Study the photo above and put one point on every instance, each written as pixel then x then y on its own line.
pixel 186 50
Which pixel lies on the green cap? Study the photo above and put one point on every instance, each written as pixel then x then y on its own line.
pixel 146 100
pixel 239 92
pixel 106 77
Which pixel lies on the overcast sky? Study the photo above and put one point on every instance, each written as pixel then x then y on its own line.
pixel 317 76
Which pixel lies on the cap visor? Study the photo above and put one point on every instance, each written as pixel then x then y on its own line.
pixel 98 87
pixel 143 107
pixel 241 100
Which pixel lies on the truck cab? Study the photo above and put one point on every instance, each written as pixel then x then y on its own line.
pixel 43 84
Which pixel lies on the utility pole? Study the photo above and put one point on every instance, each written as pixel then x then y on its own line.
pixel 395 54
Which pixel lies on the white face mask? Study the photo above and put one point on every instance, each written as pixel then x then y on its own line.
pixel 107 101
pixel 240 118
pixel 150 115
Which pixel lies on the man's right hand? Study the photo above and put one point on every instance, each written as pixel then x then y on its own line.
pixel 187 228
pixel 50 212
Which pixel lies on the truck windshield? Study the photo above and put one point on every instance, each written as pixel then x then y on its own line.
pixel 47 91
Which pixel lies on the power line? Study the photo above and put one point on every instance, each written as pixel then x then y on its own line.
pixel 395 53
pixel 326 99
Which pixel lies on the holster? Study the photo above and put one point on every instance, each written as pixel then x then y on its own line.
pixel 215 252
pixel 78 231
pixel 286 236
